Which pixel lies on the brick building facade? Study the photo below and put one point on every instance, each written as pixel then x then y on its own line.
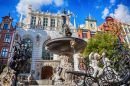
pixel 7 33
pixel 89 29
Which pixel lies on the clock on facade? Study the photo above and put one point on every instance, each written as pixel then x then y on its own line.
pixel 91 25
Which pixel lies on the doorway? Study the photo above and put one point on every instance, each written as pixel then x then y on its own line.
pixel 46 72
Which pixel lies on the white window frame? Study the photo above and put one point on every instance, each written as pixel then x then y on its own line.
pixel 5 38
pixel 2 51
pixel 45 22
pixel 52 25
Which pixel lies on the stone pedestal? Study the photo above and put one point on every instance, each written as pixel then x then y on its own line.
pixel 66 64
pixel 58 82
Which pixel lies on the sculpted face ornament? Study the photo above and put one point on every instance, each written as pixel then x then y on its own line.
pixel 46 48
pixel 72 43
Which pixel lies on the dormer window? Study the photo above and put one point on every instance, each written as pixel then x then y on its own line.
pixel 5 26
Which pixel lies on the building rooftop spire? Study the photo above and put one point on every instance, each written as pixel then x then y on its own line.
pixel 9 14
pixel 90 17
pixel 21 16
pixel 30 6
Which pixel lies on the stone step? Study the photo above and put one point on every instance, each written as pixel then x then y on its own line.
pixel 43 85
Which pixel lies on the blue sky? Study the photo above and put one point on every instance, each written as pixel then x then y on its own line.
pixel 82 8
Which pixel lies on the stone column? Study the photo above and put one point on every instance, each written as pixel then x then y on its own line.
pixel 56 23
pixel 37 20
pixel 49 23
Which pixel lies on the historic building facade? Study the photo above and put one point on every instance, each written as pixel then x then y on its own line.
pixel 7 33
pixel 89 29
pixel 124 26
pixel 37 28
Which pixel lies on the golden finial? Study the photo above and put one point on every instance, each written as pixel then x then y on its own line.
pixel 90 16
pixel 113 17
pixel 78 25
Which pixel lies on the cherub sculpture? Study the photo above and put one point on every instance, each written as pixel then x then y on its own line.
pixel 30 77
pixel 57 76
pixel 94 63
pixel 106 61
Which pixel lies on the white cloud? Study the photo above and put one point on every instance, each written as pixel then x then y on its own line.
pixel 15 20
pixel 36 4
pixel 59 12
pixel 122 13
pixel 18 15
pixel 105 13
pixel 82 25
pixel 97 7
pixel 59 2
pixel 112 2
pixel 13 11
pixel 66 3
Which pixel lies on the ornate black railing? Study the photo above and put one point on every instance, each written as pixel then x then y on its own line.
pixel 116 74
pixel 18 60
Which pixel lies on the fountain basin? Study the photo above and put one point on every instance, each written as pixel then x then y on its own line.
pixel 62 46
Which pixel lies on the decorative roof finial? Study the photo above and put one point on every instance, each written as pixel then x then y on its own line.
pixel 86 17
pixel 113 17
pixel 94 18
pixel 90 16
pixel 9 14
pixel 64 12
pixel 68 11
pixel 78 25
pixel 30 6
pixel 21 16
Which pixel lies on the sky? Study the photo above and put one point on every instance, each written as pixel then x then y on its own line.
pixel 99 9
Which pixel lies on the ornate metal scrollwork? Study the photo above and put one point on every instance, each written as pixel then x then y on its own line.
pixel 19 58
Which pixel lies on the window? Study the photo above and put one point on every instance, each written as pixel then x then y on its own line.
pixel 125 39
pixel 122 29
pixel 52 22
pixel 45 22
pixel 84 34
pixel 27 68
pixel 126 30
pixel 92 35
pixel 5 26
pixel 129 39
pixel 4 52
pixel 33 21
pixel 7 38
pixel 129 30
pixel 46 55
pixel 91 25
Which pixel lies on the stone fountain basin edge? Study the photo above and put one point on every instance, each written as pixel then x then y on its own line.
pixel 62 46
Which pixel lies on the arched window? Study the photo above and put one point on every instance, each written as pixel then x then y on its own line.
pixel 46 55
pixel 27 68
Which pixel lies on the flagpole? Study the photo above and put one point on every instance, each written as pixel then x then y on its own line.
pixel 50 7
